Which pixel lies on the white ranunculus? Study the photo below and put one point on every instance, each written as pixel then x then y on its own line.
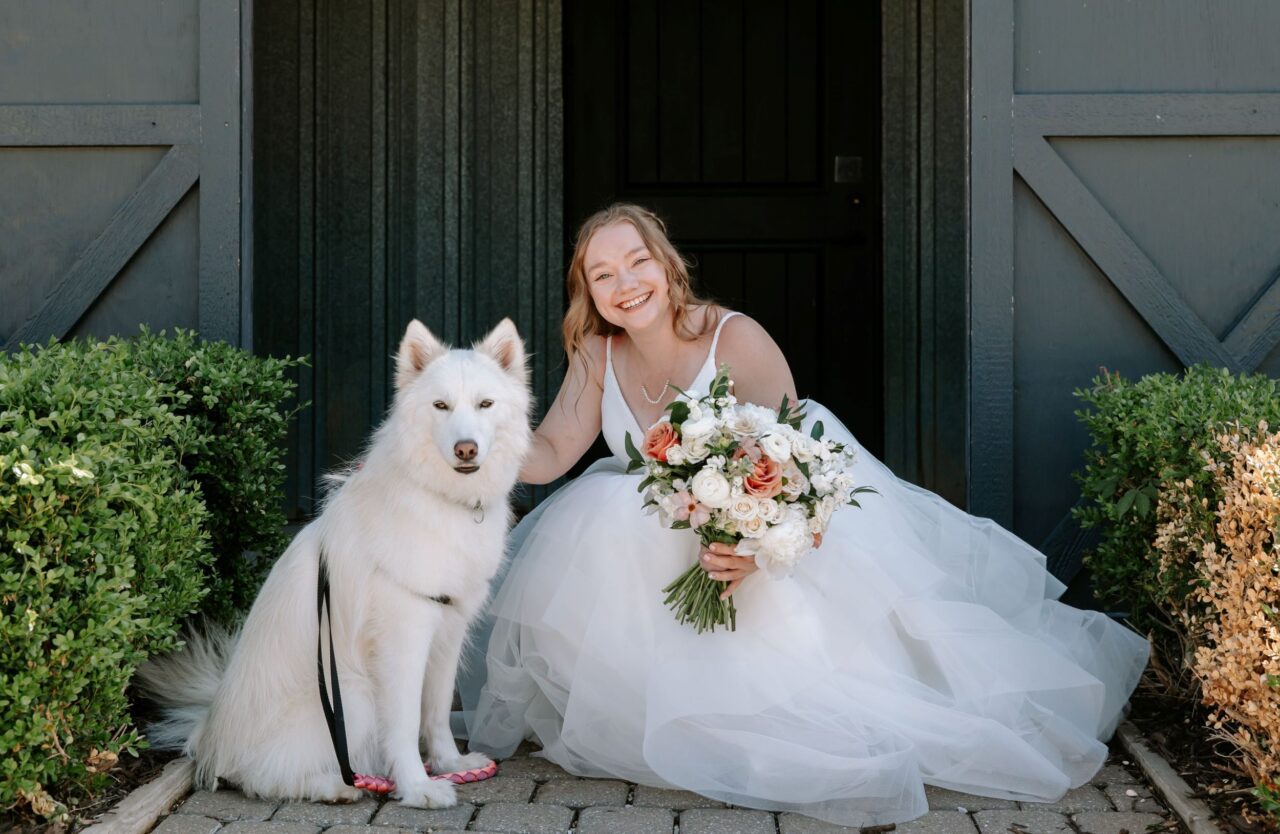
pixel 711 488
pixel 776 446
pixel 743 507
pixel 702 427
pixel 747 420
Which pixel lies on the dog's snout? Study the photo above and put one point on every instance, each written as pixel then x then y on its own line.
pixel 465 450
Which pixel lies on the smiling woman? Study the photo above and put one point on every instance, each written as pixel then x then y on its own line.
pixel 919 645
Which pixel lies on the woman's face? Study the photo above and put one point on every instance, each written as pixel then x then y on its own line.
pixel 626 282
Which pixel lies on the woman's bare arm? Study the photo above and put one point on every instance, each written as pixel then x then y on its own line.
pixel 573 421
pixel 757 367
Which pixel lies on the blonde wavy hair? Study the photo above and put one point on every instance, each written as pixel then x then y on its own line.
pixel 583 320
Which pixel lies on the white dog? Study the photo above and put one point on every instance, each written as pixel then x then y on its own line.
pixel 411 540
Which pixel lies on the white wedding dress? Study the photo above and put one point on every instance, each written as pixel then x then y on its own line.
pixel 919 645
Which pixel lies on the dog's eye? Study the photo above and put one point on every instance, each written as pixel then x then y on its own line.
pixel 441 404
pixel 486 403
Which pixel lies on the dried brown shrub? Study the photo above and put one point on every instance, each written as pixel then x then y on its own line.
pixel 1232 616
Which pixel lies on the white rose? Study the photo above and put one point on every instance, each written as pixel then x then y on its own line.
pixel 711 488
pixel 752 528
pixel 694 448
pixel 675 455
pixel 795 483
pixel 743 507
pixel 769 510
pixel 776 446
pixel 803 449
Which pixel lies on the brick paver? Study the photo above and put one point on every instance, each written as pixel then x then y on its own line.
pixel 188 824
pixel 1029 822
pixel 646 797
pixel 326 814
pixel 533 796
pixel 269 827
pixel 516 818
pixel 941 799
pixel 605 820
pixel 1101 823
pixel 1077 801
pixel 227 805
pixel 726 821
pixel 582 793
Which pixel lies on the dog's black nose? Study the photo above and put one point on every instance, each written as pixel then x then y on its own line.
pixel 465 450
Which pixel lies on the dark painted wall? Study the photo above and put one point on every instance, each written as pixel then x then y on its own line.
pixel 407 164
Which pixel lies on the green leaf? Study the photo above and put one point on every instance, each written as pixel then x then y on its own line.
pixel 632 452
pixel 679 411
pixel 1125 502
pixel 816 433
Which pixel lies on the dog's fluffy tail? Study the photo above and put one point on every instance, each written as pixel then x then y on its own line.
pixel 184 684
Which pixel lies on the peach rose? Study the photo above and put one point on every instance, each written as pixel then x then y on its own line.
pixel 659 439
pixel 765 480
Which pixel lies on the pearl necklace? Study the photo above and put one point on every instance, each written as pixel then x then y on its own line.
pixel 658 399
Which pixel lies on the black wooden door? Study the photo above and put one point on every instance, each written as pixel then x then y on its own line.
pixel 752 127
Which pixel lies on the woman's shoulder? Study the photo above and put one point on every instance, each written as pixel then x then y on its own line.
pixel 741 334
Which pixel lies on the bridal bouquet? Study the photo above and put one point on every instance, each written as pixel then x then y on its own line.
pixel 744 475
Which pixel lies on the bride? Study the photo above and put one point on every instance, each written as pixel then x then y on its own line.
pixel 916 645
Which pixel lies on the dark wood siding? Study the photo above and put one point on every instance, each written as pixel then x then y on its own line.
pixel 407 165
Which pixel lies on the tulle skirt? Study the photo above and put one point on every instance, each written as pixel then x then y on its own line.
pixel 919 645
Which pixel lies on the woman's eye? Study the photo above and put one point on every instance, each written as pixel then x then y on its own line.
pixel 486 403
pixel 441 404
pixel 602 276
pixel 641 260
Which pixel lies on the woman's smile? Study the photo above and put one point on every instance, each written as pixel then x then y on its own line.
pixel 631 304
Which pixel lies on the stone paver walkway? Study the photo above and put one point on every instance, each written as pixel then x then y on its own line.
pixel 533 796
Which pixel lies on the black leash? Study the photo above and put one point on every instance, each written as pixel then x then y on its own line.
pixel 333 711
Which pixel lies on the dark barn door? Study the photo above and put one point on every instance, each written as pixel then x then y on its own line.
pixel 753 129
pixel 1126 162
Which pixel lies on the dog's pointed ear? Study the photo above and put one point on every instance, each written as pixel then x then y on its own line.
pixel 503 344
pixel 417 348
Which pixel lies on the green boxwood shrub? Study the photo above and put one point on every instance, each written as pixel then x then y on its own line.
pixel 236 404
pixel 1147 434
pixel 132 475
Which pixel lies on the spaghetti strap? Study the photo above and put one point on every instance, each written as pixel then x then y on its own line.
pixel 716 338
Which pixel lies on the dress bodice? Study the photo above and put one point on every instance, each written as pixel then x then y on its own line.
pixel 616 417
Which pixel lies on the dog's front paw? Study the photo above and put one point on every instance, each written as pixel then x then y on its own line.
pixel 427 793
pixel 456 764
